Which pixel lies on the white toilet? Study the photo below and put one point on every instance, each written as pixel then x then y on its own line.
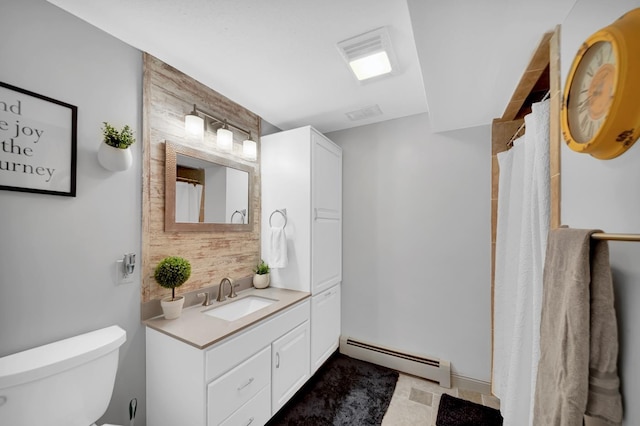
pixel 65 383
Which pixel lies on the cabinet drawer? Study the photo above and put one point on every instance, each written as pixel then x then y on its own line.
pixel 224 355
pixel 235 388
pixel 256 412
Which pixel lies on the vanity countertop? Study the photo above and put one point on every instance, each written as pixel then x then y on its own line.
pixel 200 330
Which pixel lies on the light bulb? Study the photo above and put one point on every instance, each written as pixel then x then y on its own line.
pixel 225 139
pixel 194 124
pixel 249 149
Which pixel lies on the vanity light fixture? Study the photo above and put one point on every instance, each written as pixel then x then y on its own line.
pixel 249 149
pixel 195 126
pixel 370 54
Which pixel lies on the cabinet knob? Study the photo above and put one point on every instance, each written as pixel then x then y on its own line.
pixel 277 360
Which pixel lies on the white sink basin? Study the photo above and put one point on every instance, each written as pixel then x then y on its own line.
pixel 239 308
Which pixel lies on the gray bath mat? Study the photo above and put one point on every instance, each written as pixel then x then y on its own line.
pixel 459 412
pixel 344 391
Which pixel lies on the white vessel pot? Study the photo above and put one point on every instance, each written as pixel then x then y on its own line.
pixel 261 281
pixel 172 308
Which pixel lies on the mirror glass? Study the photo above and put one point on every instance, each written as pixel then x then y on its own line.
pixel 206 192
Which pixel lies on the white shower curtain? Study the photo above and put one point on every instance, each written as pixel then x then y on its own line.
pixel 521 241
pixel 188 198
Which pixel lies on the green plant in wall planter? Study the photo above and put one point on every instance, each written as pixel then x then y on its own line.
pixel 172 272
pixel 261 277
pixel 114 153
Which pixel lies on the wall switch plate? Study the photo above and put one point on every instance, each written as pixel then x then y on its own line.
pixel 120 276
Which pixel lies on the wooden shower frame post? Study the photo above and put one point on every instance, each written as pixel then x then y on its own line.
pixel 533 81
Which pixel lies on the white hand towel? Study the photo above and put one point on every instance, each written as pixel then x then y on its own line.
pixel 279 257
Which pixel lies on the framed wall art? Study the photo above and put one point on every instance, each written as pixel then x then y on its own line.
pixel 38 143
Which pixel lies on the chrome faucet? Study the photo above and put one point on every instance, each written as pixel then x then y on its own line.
pixel 232 292
pixel 206 301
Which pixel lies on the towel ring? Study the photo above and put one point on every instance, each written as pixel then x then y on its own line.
pixel 283 212
pixel 242 213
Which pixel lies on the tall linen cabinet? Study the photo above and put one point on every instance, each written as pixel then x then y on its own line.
pixel 301 173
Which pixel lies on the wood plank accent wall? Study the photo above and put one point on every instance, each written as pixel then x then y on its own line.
pixel 546 59
pixel 168 95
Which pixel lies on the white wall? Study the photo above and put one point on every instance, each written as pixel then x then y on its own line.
pixel 58 253
pixel 416 235
pixel 606 195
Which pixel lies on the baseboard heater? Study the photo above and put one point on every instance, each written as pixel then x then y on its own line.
pixel 433 369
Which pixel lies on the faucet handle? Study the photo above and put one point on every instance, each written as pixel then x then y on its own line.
pixel 206 301
pixel 233 289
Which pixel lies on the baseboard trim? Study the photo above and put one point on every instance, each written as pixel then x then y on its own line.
pixel 470 384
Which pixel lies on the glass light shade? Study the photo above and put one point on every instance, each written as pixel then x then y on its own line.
pixel 225 139
pixel 371 66
pixel 194 125
pixel 249 149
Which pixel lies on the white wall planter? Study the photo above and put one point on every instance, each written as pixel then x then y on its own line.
pixel 114 159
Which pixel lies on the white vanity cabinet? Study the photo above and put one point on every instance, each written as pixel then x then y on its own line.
pixel 301 172
pixel 243 379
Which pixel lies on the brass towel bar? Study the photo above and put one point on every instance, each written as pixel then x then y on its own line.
pixel 615 237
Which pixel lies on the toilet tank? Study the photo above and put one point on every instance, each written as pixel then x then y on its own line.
pixel 64 383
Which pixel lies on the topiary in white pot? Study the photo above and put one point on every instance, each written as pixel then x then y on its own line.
pixel 172 272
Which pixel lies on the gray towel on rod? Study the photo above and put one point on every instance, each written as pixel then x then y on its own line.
pixel 577 371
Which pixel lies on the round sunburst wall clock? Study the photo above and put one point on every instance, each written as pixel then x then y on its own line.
pixel 601 104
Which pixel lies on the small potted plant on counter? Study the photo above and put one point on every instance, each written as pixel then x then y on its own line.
pixel 172 272
pixel 261 278
pixel 114 153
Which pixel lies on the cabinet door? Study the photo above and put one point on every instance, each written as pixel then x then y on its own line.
pixel 325 326
pixel 289 365
pixel 326 247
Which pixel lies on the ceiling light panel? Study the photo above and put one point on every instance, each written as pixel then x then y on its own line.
pixel 370 54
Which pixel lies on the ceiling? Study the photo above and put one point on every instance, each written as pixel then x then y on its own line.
pixel 458 60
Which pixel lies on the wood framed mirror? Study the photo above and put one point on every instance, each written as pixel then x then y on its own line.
pixel 205 192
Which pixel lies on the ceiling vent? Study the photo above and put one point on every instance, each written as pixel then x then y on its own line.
pixel 370 54
pixel 361 114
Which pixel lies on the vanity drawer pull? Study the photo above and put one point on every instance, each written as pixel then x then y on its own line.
pixel 277 360
pixel 246 384
pixel 249 422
